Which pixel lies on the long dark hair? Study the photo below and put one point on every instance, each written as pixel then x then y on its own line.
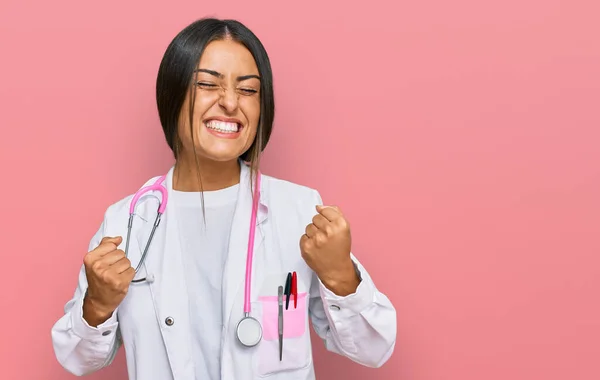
pixel 176 76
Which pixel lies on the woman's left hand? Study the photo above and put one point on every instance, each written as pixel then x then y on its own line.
pixel 325 248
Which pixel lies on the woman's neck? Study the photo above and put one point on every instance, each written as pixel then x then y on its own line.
pixel 214 175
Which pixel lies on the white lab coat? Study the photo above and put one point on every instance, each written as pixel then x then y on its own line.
pixel 153 321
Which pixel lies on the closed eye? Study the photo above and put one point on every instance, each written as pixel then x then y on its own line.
pixel 248 91
pixel 205 85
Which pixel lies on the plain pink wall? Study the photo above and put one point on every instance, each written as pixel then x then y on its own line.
pixel 460 137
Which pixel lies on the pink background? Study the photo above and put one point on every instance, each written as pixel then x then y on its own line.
pixel 460 137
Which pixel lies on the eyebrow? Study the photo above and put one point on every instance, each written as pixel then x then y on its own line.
pixel 219 75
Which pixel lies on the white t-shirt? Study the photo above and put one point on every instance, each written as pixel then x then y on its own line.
pixel 204 247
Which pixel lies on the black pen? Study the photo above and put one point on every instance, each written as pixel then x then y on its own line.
pixel 288 290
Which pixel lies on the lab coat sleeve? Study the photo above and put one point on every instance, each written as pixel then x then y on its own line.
pixel 80 348
pixel 360 326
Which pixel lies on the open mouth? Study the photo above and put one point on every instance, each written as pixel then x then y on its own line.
pixel 223 126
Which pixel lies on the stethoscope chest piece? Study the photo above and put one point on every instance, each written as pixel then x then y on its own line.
pixel 249 331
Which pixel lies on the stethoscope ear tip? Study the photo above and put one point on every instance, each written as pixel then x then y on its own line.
pixel 150 278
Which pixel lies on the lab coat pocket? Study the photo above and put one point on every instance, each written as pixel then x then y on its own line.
pixel 296 345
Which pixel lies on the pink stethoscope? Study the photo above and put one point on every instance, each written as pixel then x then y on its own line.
pixel 249 329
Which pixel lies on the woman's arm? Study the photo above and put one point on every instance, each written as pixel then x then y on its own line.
pixel 80 348
pixel 360 326
pixel 347 310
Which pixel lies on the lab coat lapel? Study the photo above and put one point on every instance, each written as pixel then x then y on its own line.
pixel 235 270
pixel 169 291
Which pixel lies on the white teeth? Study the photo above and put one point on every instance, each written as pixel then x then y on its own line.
pixel 222 126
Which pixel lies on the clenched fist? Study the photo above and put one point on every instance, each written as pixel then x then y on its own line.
pixel 326 249
pixel 109 274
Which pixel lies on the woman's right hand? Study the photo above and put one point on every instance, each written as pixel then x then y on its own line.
pixel 109 274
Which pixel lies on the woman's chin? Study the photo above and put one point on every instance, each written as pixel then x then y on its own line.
pixel 222 155
pixel 222 150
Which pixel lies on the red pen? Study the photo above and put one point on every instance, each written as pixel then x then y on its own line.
pixel 295 289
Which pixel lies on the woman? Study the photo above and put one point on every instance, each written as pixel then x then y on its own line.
pixel 178 313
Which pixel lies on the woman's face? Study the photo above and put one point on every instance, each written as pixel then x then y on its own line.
pixel 227 103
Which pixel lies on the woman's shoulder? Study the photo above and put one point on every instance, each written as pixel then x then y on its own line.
pixel 279 189
pixel 122 207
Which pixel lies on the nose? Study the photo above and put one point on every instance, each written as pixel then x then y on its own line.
pixel 228 100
